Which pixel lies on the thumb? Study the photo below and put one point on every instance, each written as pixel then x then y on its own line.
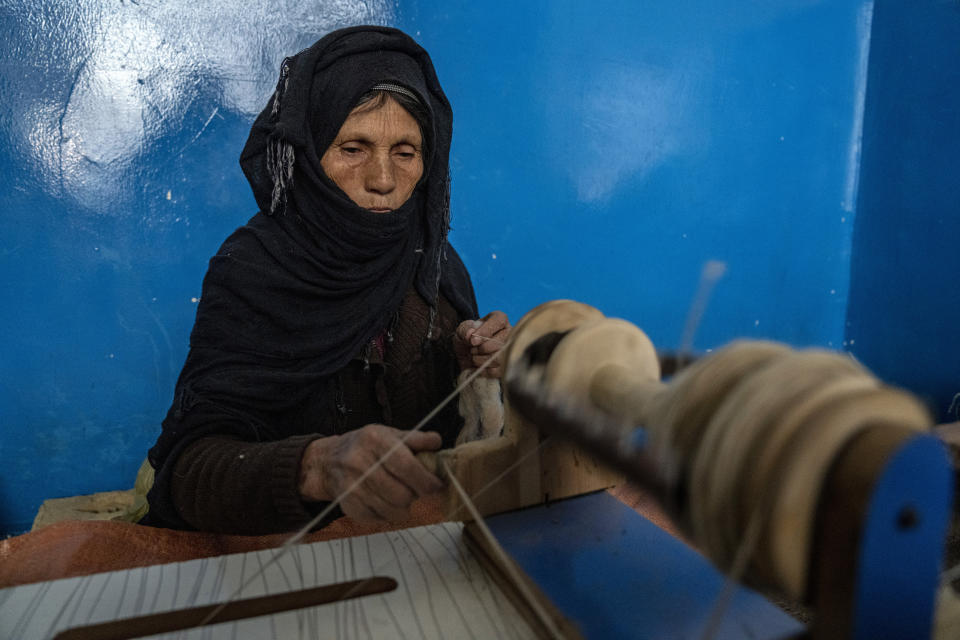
pixel 465 329
pixel 424 441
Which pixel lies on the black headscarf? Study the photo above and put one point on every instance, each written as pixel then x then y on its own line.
pixel 292 296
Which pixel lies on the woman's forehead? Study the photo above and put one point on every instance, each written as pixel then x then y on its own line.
pixel 387 119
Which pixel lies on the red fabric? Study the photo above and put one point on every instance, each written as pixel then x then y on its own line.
pixel 77 548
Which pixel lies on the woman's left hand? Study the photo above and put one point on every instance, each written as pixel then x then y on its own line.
pixel 476 341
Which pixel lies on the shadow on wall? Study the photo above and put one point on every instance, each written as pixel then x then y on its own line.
pixel 903 318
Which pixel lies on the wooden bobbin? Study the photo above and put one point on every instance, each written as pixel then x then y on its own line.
pixel 525 470
pixel 601 356
pixel 746 418
pixel 759 487
pixel 549 317
pixel 564 468
pixel 618 350
pixel 824 434
pixel 677 417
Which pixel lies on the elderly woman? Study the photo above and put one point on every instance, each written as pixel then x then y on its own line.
pixel 338 309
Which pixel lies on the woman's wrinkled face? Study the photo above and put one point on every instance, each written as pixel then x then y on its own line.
pixel 376 158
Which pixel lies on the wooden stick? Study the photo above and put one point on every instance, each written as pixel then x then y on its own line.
pixel 181 619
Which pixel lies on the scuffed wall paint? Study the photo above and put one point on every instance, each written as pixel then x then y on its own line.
pixel 114 78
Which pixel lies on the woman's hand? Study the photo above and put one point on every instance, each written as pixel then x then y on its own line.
pixel 333 464
pixel 476 341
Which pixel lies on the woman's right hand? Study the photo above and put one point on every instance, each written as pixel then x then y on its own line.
pixel 476 341
pixel 333 464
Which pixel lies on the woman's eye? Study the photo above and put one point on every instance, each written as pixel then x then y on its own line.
pixel 351 150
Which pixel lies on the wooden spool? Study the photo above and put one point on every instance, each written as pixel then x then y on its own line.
pixel 804 471
pixel 746 419
pixel 759 488
pixel 552 470
pixel 747 436
pixel 677 417
pixel 748 432
pixel 549 317
pixel 597 356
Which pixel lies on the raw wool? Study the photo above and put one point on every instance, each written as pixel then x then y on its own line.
pixel 947 620
pixel 481 405
pixel 129 505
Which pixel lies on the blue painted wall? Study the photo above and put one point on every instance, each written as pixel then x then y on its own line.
pixel 603 151
pixel 120 128
pixel 904 313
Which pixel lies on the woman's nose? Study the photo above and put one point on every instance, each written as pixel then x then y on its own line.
pixel 380 175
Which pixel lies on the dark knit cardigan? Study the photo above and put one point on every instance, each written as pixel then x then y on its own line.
pixel 225 484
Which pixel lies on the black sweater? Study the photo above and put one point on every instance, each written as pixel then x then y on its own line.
pixel 227 484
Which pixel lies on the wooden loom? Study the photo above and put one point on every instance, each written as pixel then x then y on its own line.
pixel 798 472
pixel 854 531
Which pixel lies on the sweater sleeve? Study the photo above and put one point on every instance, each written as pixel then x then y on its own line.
pixel 225 485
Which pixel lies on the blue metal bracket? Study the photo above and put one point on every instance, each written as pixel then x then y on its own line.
pixel 902 545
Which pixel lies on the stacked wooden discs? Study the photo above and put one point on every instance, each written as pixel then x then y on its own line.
pixel 745 437
pixel 767 448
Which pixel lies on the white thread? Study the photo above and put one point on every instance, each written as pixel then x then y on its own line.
pixel 740 563
pixel 712 271
pixel 500 477
pixel 455 510
pixel 505 562
pixel 298 536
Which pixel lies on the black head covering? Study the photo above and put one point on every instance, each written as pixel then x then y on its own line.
pixel 316 92
pixel 292 296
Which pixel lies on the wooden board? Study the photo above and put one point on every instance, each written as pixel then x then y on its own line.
pixel 442 592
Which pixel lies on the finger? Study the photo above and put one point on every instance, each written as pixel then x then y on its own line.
pixel 390 489
pixel 379 494
pixel 415 476
pixel 422 440
pixel 379 497
pixel 403 464
pixel 478 357
pixel 491 345
pixel 493 323
pixel 407 469
pixel 494 370
pixel 487 347
pixel 466 328
pixel 356 509
pixel 390 514
pixel 415 440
